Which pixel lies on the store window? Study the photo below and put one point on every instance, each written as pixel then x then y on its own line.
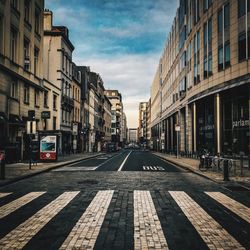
pixel 235 116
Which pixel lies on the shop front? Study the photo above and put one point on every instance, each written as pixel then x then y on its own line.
pixel 205 125
pixel 235 121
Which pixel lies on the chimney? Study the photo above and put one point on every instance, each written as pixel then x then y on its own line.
pixel 47 20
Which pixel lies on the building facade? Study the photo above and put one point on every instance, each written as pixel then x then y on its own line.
pixel 133 135
pixel 76 116
pixel 202 81
pixel 142 129
pixel 21 73
pixel 107 119
pixel 116 116
pixel 58 63
pixel 148 124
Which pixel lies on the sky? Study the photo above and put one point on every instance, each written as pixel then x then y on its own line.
pixel 122 40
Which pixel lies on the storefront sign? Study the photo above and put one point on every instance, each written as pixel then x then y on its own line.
pixel 240 123
pixel 45 115
pixel 48 147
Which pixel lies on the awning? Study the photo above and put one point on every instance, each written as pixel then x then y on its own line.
pixel 3 117
pixel 15 120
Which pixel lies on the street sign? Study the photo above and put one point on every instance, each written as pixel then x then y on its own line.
pixel 45 115
pixel 177 127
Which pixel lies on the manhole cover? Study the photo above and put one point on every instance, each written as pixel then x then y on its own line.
pixel 90 182
pixel 237 188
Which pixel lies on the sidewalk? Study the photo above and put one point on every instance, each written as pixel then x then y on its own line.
pixel 193 166
pixel 18 171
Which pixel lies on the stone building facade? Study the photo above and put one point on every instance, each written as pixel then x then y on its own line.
pixel 202 80
pixel 21 73
pixel 142 129
pixel 59 72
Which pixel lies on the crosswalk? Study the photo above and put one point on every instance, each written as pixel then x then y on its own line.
pixel 153 168
pixel 148 232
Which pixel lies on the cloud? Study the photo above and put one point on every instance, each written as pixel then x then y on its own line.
pixel 121 40
pixel 130 74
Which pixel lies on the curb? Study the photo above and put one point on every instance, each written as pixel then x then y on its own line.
pixel 187 168
pixel 58 165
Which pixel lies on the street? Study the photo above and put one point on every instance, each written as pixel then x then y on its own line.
pixel 130 199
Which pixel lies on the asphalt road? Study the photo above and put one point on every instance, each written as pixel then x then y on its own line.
pixel 124 200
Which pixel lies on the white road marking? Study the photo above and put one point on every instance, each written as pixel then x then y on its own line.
pixel 22 234
pixel 4 194
pixel 73 169
pixel 148 233
pixel 108 160
pixel 212 233
pixel 120 168
pixel 153 168
pixel 86 230
pixel 236 207
pixel 18 203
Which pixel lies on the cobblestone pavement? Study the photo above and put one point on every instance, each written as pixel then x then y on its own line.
pixel 157 209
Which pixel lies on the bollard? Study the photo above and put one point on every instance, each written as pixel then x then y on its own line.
pixel 2 166
pixel 226 172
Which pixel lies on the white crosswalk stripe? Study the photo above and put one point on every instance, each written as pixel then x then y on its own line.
pixel 148 233
pixel 4 194
pixel 21 235
pixel 210 231
pixel 86 230
pixel 236 207
pixel 18 203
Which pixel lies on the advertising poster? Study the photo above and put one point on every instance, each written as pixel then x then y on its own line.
pixel 48 148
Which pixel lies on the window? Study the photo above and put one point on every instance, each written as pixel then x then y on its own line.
pixel 210 72
pixel 26 94
pixel 1 34
pixel 220 22
pixel 54 102
pixel 37 98
pixel 207 4
pixel 14 3
pixel 54 122
pixel 13 44
pixel 37 21
pixel 26 54
pixel 197 57
pixel 242 46
pixel 13 89
pixel 227 54
pixel 226 16
pixel 45 99
pixel 36 59
pixel 27 11
pixel 220 58
pixel 241 8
